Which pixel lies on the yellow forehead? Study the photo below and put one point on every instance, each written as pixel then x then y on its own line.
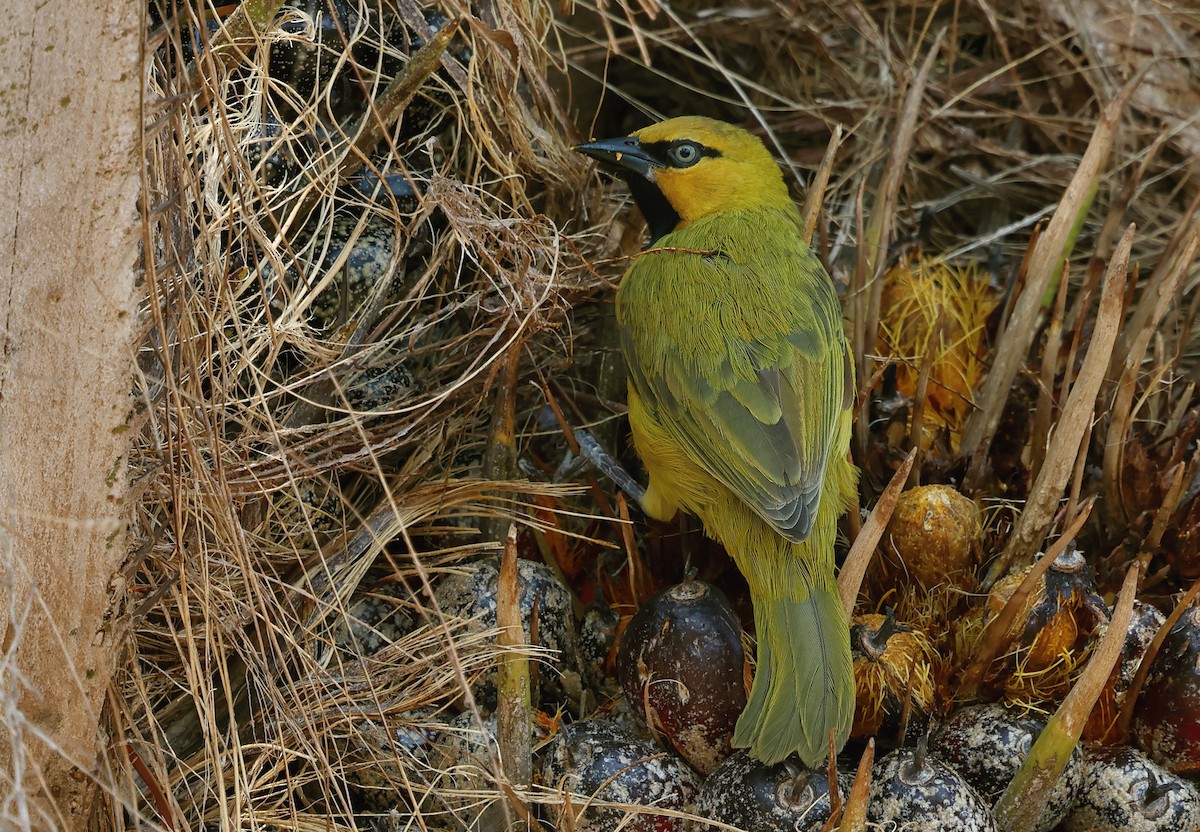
pixel 718 135
pixel 741 175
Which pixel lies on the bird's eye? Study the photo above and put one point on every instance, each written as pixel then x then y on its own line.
pixel 685 155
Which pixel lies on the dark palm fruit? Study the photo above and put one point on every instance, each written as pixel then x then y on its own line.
pixel 681 665
pixel 373 241
pixel 749 795
pixel 1123 791
pixel 911 789
pixel 376 386
pixel 546 621
pixel 307 60
pixel 1064 604
pixel 986 744
pixel 460 765
pixel 371 623
pixel 597 634
pixel 1144 623
pixel 381 759
pixel 1166 719
pixel 892 664
pixel 931 539
pixel 406 193
pixel 607 759
pixel 273 159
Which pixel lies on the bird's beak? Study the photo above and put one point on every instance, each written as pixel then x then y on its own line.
pixel 625 154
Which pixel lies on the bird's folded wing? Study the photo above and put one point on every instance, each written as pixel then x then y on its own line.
pixel 767 438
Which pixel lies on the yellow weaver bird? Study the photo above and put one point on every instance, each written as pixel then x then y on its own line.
pixel 740 394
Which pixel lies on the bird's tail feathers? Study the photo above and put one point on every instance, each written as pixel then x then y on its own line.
pixel 804 684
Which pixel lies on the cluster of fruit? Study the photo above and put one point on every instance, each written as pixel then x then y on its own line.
pixel 671 683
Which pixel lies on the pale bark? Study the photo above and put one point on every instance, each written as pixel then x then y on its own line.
pixel 69 139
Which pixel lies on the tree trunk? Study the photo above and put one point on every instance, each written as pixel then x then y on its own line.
pixel 69 137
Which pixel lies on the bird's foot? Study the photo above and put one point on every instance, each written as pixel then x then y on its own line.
pixel 590 450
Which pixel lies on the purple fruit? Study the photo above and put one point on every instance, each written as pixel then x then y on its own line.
pixel 1166 719
pixel 681 665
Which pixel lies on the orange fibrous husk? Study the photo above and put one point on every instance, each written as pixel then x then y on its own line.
pixel 932 311
pixel 908 667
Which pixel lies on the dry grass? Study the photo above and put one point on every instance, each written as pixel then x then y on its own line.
pixel 269 497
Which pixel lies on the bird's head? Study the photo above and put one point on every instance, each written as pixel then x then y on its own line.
pixel 685 169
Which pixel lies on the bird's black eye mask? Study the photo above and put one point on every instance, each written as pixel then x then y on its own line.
pixel 679 153
pixel 636 161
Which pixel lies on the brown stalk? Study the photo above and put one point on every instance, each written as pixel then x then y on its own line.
pixel 855 567
pixel 884 209
pixel 854 815
pixel 1168 265
pixel 996 636
pixel 1189 320
pixel 1119 206
pixel 1077 414
pixel 514 729
pixel 1077 474
pixel 1046 261
pixel 815 198
pixel 1156 298
pixel 1163 516
pixel 1139 678
pixel 1180 409
pixel 858 311
pixel 1021 279
pixel 161 802
pixel 835 793
pixel 500 457
pixel 637 589
pixel 564 426
pixel 1045 404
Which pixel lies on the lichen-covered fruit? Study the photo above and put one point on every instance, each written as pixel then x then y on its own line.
pixel 371 623
pixel 892 664
pixel 333 286
pixel 747 794
pixel 546 620
pixel 381 759
pixel 1123 791
pixel 597 635
pixel 1144 623
pixel 608 761
pixel 986 744
pixel 306 55
pixel 911 789
pixel 460 762
pixel 681 665
pixel 377 386
pixel 1166 720
pixel 931 539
